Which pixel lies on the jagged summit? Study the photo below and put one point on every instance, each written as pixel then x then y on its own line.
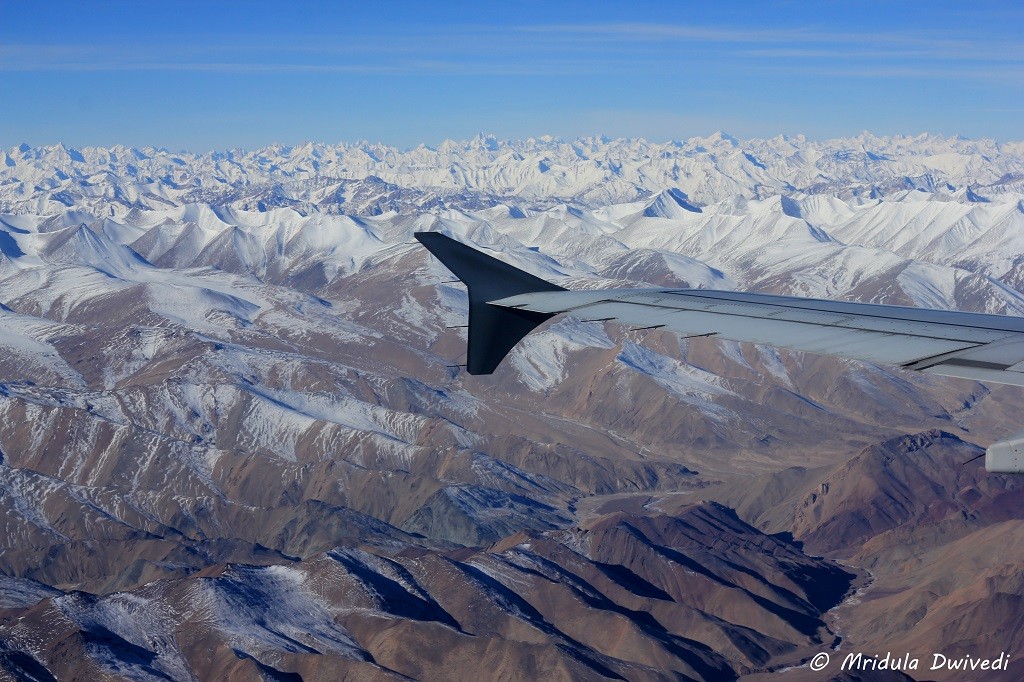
pixel 670 203
pixel 232 444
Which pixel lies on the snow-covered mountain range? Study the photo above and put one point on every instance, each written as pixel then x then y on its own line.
pixel 228 421
pixel 365 178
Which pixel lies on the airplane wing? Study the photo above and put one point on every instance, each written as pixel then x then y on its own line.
pixel 951 343
pixel 506 304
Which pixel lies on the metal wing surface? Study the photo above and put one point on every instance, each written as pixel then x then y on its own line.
pixel 950 343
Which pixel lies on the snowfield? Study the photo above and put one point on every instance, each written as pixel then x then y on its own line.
pixel 235 439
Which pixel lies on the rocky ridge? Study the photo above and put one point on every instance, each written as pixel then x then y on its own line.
pixel 237 430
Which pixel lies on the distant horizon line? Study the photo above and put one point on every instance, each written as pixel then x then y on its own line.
pixel 545 138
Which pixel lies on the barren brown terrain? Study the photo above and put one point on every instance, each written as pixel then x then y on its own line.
pixel 233 444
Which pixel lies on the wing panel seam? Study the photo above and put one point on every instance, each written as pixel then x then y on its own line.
pixel 837 312
pixel 968 344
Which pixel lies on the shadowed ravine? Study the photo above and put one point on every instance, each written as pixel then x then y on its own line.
pixel 233 444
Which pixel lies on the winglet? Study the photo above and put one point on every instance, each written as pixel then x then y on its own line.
pixel 493 330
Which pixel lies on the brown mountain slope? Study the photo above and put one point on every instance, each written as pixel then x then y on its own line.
pixel 698 596
pixel 942 541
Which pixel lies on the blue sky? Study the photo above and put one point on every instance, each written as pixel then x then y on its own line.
pixel 205 75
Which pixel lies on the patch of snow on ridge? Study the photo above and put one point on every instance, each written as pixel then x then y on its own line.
pixel 540 358
pixel 201 309
pixel 929 285
pixel 265 611
pixel 689 383
pixel 27 339
pixel 138 641
pixel 18 593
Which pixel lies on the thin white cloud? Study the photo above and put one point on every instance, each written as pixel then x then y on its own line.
pixel 225 67
pixel 997 54
pixel 717 34
pixel 1005 74
pixel 431 67
pixel 648 31
pixel 539 50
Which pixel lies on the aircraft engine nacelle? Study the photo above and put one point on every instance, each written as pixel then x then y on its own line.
pixel 1006 456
